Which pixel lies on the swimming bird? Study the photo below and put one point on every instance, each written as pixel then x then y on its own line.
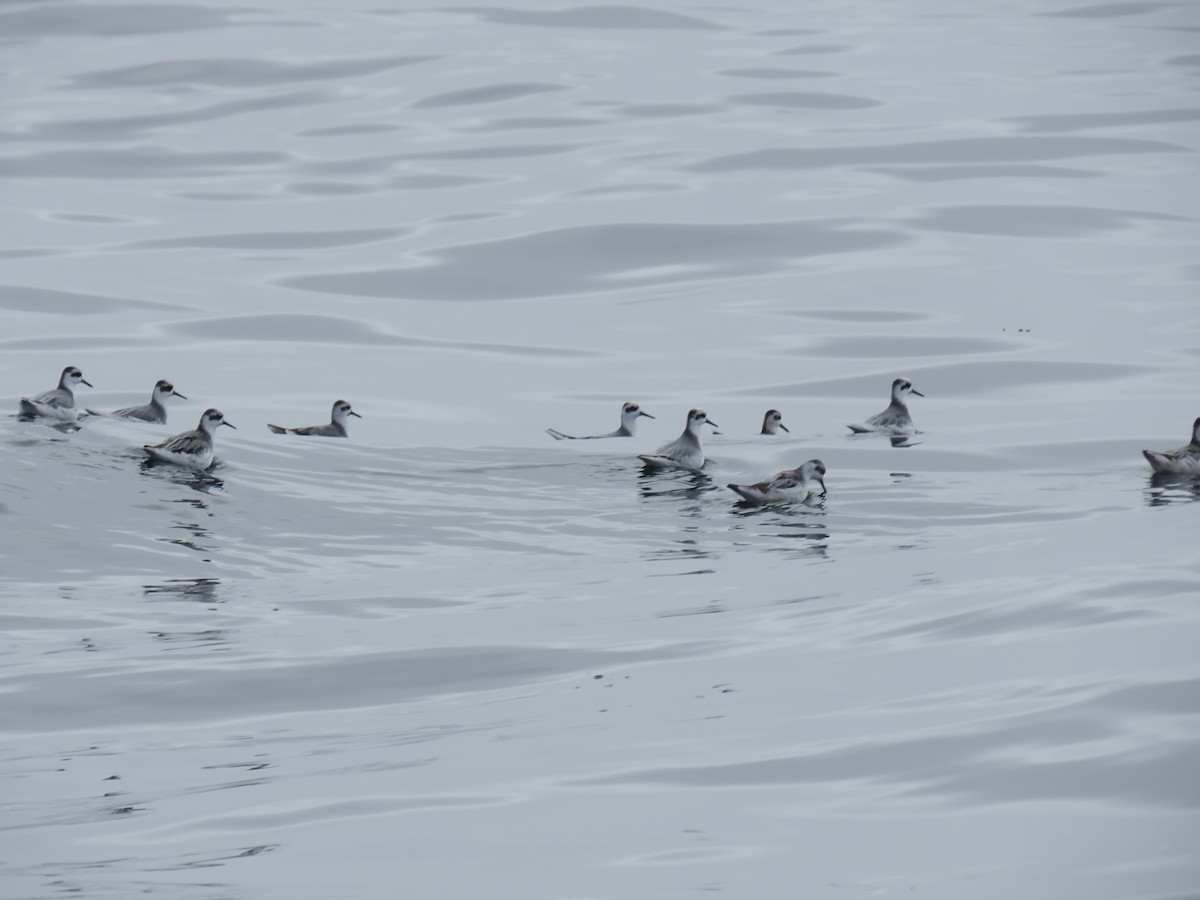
pixel 58 403
pixel 336 427
pixel 895 419
pixel 630 413
pixel 156 409
pixel 685 451
pixel 1184 461
pixel 790 484
pixel 194 448
pixel 772 422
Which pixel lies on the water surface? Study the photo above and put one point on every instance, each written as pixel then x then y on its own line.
pixel 451 652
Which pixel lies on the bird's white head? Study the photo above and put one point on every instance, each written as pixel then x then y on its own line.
pixel 342 412
pixel 212 420
pixel 902 387
pixel 71 376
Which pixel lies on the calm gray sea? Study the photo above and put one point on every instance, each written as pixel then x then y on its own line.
pixel 451 657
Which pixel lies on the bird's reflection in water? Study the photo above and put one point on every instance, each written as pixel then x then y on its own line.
pixel 680 549
pixel 677 484
pixel 200 590
pixel 61 426
pixel 896 440
pixel 798 521
pixel 204 482
pixel 1165 488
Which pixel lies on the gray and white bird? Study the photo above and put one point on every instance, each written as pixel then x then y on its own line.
pixel 786 486
pixel 685 451
pixel 630 413
pixel 1184 461
pixel 58 403
pixel 772 422
pixel 895 419
pixel 337 423
pixel 154 411
pixel 193 449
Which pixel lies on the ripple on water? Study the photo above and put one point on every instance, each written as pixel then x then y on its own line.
pixel 124 128
pixel 934 174
pixel 1087 121
pixel 493 93
pixel 111 19
pixel 896 346
pixel 591 17
pixel 1109 10
pixel 804 100
pixel 238 72
pixel 1035 221
pixel 1071 749
pixel 1000 149
pixel 594 258
pixel 136 162
pixel 23 298
pixel 768 74
pixel 269 240
pixel 959 379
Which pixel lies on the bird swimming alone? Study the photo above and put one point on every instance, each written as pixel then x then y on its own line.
pixel 772 422
pixel 154 411
pixel 336 427
pixel 895 419
pixel 788 485
pixel 58 403
pixel 1184 461
pixel 685 451
pixel 194 448
pixel 630 413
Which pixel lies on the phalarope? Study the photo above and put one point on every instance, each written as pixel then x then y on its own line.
pixel 790 484
pixel 156 409
pixel 194 448
pixel 58 403
pixel 1184 461
pixel 685 451
pixel 772 422
pixel 336 427
pixel 630 413
pixel 895 419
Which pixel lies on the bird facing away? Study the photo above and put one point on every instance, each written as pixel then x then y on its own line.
pixel 685 451
pixel 337 423
pixel 1184 461
pixel 58 403
pixel 895 419
pixel 786 486
pixel 193 449
pixel 772 422
pixel 630 413
pixel 156 409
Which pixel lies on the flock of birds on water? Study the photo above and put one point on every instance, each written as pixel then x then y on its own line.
pixel 194 449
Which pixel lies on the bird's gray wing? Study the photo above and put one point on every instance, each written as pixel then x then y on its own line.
pixel 188 442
